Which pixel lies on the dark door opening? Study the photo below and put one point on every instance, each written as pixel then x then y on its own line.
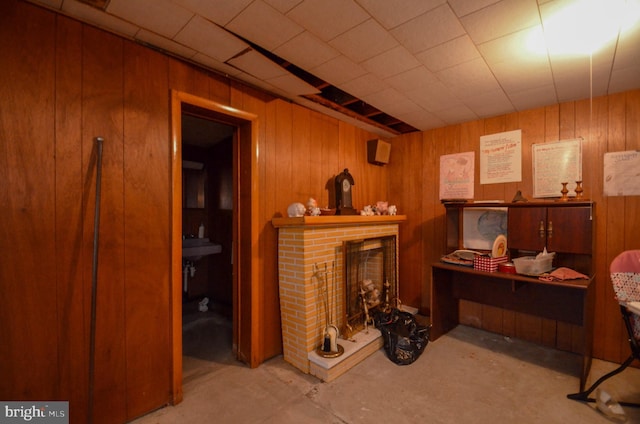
pixel 207 220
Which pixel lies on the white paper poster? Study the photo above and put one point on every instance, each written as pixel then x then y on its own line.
pixel 622 173
pixel 501 157
pixel 556 163
pixel 457 176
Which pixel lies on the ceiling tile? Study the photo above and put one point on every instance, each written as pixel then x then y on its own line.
pixel 465 7
pixel 282 5
pixel 422 119
pixel 264 25
pixel 434 97
pixel 628 49
pixel 448 54
pixel 212 63
pixel 416 79
pixel 533 97
pixel 364 41
pixel 293 85
pixel 390 15
pixel 328 18
pixel 456 114
pixel 338 70
pixel 160 16
pixel 165 44
pixel 219 11
pixel 429 29
pixel 469 77
pixel 502 18
pixel 297 51
pixel 394 102
pixel 514 66
pixel 623 79
pixel 391 62
pixel 488 104
pixel 363 85
pixel 208 38
pixel 103 20
pixel 254 63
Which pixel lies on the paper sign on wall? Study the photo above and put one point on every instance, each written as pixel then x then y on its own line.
pixel 457 176
pixel 501 157
pixel 555 163
pixel 622 173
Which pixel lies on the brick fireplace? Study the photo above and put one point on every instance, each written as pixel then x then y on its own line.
pixel 312 287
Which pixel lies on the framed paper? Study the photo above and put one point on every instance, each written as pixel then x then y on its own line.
pixel 556 163
pixel 457 176
pixel 501 157
pixel 621 176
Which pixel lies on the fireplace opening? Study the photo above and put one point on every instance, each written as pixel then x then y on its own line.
pixel 371 282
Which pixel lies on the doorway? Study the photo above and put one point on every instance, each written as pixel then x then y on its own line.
pixel 207 221
pixel 243 148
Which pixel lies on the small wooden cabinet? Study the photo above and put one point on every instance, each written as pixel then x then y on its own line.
pixel 563 228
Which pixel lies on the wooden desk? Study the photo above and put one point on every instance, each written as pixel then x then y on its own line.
pixel 567 301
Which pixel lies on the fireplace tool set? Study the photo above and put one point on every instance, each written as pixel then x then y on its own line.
pixel 330 347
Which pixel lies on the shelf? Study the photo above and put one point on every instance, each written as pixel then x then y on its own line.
pixel 337 220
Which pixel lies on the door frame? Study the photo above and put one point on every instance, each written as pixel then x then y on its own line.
pixel 245 230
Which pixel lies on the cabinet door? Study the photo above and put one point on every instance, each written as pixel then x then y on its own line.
pixel 524 225
pixel 569 230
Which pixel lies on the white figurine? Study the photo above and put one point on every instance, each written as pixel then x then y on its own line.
pixel 393 210
pixel 295 210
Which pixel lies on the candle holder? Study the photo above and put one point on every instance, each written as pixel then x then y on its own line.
pixel 579 190
pixel 564 192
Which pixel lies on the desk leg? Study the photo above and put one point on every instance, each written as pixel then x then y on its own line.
pixel 444 306
pixel 587 328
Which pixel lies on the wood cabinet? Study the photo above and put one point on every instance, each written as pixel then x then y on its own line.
pixel 565 228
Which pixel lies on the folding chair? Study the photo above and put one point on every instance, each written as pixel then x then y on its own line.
pixel 625 277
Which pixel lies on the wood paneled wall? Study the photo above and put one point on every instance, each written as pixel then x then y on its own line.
pixel 607 124
pixel 64 83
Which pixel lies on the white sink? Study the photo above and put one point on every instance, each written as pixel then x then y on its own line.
pixel 195 248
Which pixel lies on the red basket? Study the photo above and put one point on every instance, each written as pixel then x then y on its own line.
pixel 487 263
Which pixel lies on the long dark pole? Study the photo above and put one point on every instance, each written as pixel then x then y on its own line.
pixel 94 276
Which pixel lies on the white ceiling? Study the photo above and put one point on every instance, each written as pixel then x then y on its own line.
pixel 429 63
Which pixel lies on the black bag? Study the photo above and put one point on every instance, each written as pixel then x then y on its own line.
pixel 404 339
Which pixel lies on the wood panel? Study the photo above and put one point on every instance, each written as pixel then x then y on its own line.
pixel 102 115
pixel 72 294
pixel 27 228
pixel 146 229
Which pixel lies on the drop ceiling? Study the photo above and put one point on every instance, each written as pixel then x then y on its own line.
pixel 388 66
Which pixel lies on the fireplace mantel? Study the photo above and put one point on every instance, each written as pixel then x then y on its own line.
pixel 337 220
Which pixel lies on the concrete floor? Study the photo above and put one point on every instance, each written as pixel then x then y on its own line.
pixel 466 376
